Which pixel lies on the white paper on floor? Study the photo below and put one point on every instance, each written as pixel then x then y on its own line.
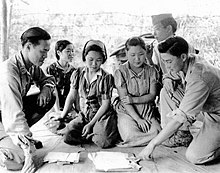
pixel 110 161
pixel 52 157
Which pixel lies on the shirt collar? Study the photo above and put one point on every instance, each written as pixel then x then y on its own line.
pixel 173 35
pixel 131 72
pixel 60 67
pixel 98 73
pixel 191 61
pixel 22 64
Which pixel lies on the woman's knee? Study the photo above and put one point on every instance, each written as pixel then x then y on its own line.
pixel 73 137
pixel 102 141
pixel 128 132
pixel 105 138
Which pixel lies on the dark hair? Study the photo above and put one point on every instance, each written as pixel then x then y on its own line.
pixel 94 45
pixel 135 41
pixel 169 21
pixel 175 46
pixel 61 45
pixel 33 35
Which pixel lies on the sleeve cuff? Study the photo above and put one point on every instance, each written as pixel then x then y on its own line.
pixel 179 115
pixel 51 86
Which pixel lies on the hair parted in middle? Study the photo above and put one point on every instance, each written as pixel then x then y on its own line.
pixel 135 41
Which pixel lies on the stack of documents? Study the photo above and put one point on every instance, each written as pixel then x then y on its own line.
pixel 66 158
pixel 114 161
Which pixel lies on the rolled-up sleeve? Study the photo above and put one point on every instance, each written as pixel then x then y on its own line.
pixel 196 94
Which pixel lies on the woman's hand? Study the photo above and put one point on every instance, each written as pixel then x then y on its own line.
pixel 146 153
pixel 144 124
pixel 86 132
pixel 127 100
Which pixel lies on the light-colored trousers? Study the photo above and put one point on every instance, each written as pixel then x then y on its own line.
pixel 205 146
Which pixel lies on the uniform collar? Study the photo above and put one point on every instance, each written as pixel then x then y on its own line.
pixel 21 63
pixel 173 35
pixel 190 67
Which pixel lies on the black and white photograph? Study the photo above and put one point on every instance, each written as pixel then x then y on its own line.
pixel 117 86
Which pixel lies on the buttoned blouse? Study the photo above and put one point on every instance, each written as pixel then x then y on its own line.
pixel 136 85
pixel 92 93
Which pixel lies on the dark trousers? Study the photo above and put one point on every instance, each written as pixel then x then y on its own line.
pixel 105 132
pixel 33 112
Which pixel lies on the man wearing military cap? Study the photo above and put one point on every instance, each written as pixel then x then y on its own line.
pixel 20 111
pixel 165 26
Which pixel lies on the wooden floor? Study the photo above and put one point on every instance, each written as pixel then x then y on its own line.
pixel 166 160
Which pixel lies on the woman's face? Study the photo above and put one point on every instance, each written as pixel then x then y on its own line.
pixel 136 56
pixel 67 54
pixel 94 61
pixel 172 63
